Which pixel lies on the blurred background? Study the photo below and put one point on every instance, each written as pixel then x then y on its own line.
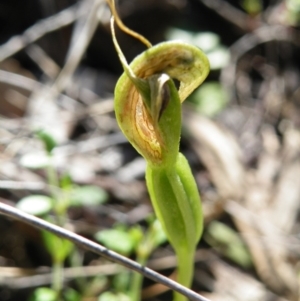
pixel 63 157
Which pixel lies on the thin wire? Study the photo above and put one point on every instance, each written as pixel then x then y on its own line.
pixel 98 249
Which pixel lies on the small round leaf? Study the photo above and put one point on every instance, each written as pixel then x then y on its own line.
pixel 47 139
pixel 35 204
pixel 35 160
pixel 117 240
pixel 88 196
pixel 44 294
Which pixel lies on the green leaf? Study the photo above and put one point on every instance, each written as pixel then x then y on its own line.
pixel 207 41
pixel 228 242
pixel 153 237
pixel 293 12
pixel 44 294
pixel 117 240
pixel 158 234
pixel 47 139
pixel 179 34
pixel 35 204
pixel 71 295
pixel 252 7
pixel 58 248
pixel 136 235
pixel 88 196
pixel 66 182
pixel 35 160
pixel 109 296
pixel 176 202
pixel 121 281
pixel 210 98
pixel 218 58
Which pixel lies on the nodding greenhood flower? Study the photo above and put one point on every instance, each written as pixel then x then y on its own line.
pixel 148 111
pixel 147 103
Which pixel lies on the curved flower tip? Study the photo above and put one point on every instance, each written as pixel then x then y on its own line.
pixel 147 104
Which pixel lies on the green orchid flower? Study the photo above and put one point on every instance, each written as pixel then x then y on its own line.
pixel 148 111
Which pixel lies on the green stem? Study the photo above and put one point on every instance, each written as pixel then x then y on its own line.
pixel 57 265
pixel 52 176
pixel 59 203
pixel 185 271
pixel 137 279
pixel 75 260
pixel 57 276
pixel 52 181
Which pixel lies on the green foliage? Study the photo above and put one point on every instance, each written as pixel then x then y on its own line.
pixel 228 242
pixel 40 159
pixel 88 196
pixel 66 182
pixel 128 240
pixel 47 139
pixel 293 11
pixel 35 160
pixel 63 195
pixel 121 282
pixel 218 57
pixel 44 294
pixel 252 7
pixel 155 235
pixel 48 294
pixel 70 294
pixel 118 240
pixel 109 296
pixel 210 98
pixel 133 240
pixel 35 204
pixel 217 54
pixel 58 248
